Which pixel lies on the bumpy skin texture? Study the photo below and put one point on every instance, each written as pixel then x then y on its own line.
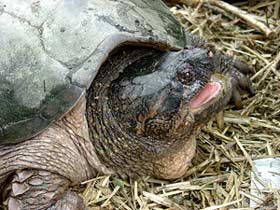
pixel 134 121
pixel 38 172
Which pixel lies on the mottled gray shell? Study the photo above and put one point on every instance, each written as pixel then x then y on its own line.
pixel 51 51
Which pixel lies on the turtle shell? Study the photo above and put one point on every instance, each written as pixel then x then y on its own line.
pixel 51 51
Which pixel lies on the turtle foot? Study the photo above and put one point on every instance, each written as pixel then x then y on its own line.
pixel 69 201
pixel 41 190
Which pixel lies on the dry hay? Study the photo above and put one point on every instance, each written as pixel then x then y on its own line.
pixel 220 176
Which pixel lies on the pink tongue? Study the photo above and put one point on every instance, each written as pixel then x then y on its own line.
pixel 210 91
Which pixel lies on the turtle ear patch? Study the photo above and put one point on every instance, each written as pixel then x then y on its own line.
pixel 153 108
pixel 143 117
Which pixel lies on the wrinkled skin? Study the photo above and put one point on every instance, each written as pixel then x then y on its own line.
pixel 139 118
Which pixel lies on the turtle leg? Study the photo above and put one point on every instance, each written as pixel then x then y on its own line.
pixel 38 189
pixel 237 72
pixel 40 172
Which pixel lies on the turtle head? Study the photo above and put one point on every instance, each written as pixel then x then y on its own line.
pixel 158 103
pixel 165 96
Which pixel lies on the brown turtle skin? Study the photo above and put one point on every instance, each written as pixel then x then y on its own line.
pixel 135 120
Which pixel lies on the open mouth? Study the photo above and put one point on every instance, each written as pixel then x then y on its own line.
pixel 206 94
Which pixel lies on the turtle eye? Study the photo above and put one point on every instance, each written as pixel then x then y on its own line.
pixel 185 76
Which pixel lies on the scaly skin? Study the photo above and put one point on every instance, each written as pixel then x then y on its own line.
pixel 41 170
pixel 138 125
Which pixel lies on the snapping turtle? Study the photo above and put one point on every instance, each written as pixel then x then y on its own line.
pixel 114 87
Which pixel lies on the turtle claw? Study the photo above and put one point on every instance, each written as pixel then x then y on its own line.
pixel 246 85
pixel 240 84
pixel 237 98
pixel 237 74
pixel 220 120
pixel 243 67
